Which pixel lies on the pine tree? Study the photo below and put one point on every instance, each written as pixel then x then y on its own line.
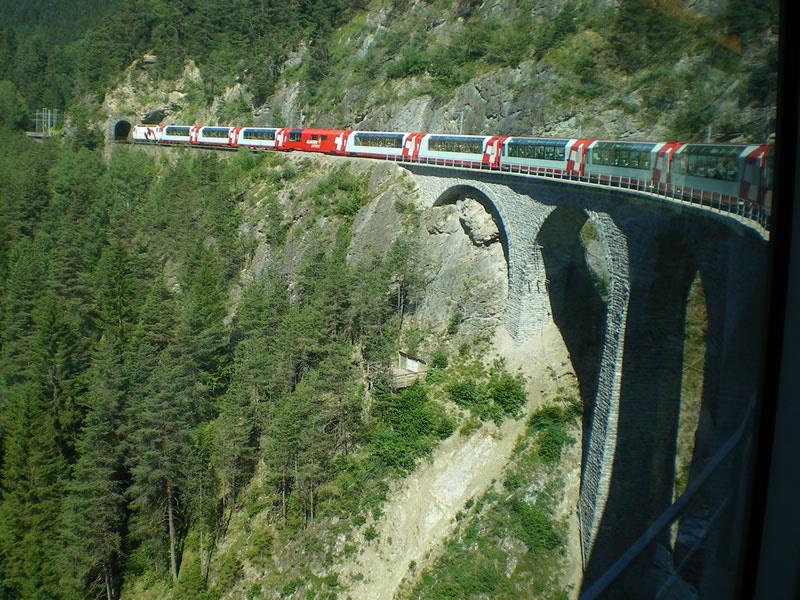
pixel 179 396
pixel 34 469
pixel 114 292
pixel 152 334
pixel 76 218
pixel 61 357
pixel 95 508
pixel 261 374
pixel 161 452
pixel 24 285
pixel 201 336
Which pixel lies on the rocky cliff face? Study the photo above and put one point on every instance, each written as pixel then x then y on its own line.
pixel 545 68
pixel 459 250
pixel 461 303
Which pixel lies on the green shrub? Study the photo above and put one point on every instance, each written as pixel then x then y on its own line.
pixel 470 424
pixel 551 423
pixel 291 587
pixel 409 425
pixel 342 191
pixel 439 359
pixel 259 548
pixel 508 391
pixel 535 528
pixel 230 571
pixel 370 533
pixel 467 393
pixel 455 321
pixel 191 584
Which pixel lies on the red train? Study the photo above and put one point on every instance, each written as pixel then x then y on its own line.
pixel 734 177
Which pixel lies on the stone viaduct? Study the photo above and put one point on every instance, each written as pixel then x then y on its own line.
pixel 627 348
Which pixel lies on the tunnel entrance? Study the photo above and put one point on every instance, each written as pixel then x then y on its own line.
pixel 122 130
pixel 577 281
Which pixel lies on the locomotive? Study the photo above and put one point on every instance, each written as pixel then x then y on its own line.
pixel 732 177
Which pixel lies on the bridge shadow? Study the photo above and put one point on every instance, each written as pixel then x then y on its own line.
pixel 642 485
pixel 576 299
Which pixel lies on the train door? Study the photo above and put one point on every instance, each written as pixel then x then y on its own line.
pixel 576 160
pixel 194 133
pixel 411 146
pixel 341 141
pixel 663 162
pixel 492 152
pixel 753 178
pixel 280 139
pixel 233 136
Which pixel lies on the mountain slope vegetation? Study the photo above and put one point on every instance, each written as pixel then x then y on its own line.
pixel 196 348
pixel 632 67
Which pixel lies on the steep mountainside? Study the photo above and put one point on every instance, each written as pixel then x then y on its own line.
pixel 198 396
pixel 633 68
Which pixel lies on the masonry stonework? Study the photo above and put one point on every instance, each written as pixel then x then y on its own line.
pixel 653 251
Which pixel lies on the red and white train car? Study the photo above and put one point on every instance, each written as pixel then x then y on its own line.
pixel 728 173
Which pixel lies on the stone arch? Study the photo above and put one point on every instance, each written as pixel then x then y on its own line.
pixel 458 192
pixel 589 306
pixel 122 130
pixel 650 398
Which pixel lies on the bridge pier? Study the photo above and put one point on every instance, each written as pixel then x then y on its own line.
pixel 601 439
pixel 653 251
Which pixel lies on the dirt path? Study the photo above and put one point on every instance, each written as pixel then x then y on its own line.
pixel 421 512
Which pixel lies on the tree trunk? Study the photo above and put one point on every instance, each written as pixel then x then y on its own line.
pixel 173 561
pixel 312 501
pixel 283 495
pixel 109 583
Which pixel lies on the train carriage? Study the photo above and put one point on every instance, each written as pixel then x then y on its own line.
pixel 376 143
pixel 257 137
pixel 475 150
pixel 311 140
pixel 178 134
pixel 215 136
pixel 622 161
pixel 548 155
pixel 729 171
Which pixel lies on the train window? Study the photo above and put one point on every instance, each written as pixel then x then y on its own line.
pixel 461 145
pixel 622 154
pixel 215 132
pixel 323 138
pixel 295 134
pixel 259 134
pixel 184 131
pixel 314 137
pixel 537 149
pixel 712 161
pixel 379 140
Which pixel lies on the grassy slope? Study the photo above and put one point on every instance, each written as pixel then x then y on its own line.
pixel 511 542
